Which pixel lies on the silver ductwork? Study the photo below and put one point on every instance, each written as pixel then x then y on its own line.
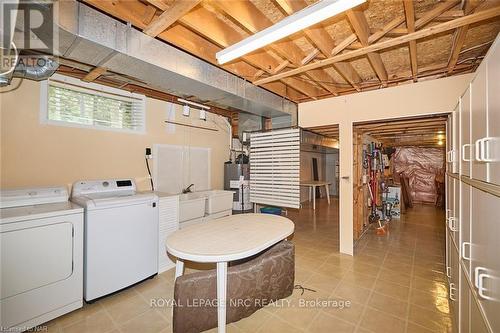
pixel 91 37
pixel 313 139
pixel 35 68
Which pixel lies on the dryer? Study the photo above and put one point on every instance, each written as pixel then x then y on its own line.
pixel 121 235
pixel 41 275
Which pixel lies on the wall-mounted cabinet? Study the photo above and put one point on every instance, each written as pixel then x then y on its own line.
pixel 473 201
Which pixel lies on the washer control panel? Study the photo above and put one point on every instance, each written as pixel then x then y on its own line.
pixel 118 186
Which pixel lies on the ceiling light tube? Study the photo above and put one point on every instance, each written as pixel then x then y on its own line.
pixel 302 19
pixel 200 106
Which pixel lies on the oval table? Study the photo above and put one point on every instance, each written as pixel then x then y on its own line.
pixel 226 239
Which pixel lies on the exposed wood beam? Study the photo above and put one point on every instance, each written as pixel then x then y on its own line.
pixel 170 16
pixel 388 27
pixel 360 25
pixel 410 25
pixel 459 38
pixel 206 24
pixel 446 16
pixel 253 20
pixel 192 42
pixel 158 4
pixel 324 42
pixel 149 14
pixel 435 12
pixel 94 74
pixel 439 28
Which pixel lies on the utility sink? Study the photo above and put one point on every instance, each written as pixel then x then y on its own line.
pixel 191 206
pixel 218 201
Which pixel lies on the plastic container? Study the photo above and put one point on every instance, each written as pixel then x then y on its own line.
pixel 271 210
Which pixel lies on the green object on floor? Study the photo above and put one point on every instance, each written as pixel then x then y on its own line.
pixel 271 210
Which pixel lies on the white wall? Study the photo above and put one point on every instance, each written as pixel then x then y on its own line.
pixel 416 99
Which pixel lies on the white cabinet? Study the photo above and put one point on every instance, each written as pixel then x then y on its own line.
pixel 453 208
pixel 466 149
pixel 485 259
pixel 465 299
pixel 168 211
pixel 452 140
pixel 478 123
pixel 493 145
pixel 465 225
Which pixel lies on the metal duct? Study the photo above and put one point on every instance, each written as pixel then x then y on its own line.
pixel 35 68
pixel 310 138
pixel 91 37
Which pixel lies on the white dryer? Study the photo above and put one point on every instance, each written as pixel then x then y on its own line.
pixel 41 273
pixel 121 235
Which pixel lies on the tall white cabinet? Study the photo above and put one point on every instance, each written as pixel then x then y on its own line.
pixel 473 202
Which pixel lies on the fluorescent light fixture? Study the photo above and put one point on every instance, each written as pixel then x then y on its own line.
pixel 203 114
pixel 185 110
pixel 302 19
pixel 197 105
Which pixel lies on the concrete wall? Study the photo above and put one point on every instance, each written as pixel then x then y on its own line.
pixel 34 154
pixel 417 99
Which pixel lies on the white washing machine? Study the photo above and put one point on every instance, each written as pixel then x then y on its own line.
pixel 121 235
pixel 41 273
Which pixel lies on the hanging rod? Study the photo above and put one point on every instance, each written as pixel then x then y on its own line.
pixel 192 126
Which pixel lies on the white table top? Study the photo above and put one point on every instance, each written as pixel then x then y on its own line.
pixel 229 238
pixel 314 183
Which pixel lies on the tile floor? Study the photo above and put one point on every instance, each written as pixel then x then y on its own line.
pixel 394 283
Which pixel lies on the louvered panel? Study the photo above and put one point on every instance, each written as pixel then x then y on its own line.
pixel 275 168
pixel 168 213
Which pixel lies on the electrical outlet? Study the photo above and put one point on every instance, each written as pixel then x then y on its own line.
pixel 148 153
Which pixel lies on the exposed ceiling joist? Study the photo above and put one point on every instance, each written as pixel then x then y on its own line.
pixel 362 30
pixel 426 32
pixel 170 16
pixel 410 25
pixel 94 74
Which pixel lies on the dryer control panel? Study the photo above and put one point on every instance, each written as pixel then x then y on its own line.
pixel 108 186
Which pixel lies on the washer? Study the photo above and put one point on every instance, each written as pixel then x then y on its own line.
pixel 41 276
pixel 121 235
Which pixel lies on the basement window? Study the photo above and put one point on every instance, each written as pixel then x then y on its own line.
pixel 70 102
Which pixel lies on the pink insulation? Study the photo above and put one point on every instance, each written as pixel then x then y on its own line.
pixel 422 166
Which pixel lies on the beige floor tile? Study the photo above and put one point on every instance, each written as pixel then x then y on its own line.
pixel 361 280
pixel 324 282
pixel 414 328
pixel 351 313
pixel 400 278
pixel 392 289
pixel 127 309
pixel 381 322
pixel 77 315
pixel 433 320
pixel 99 322
pixel 149 322
pixel 352 292
pixel 437 301
pixel 389 305
pixel 277 325
pixel 325 323
pixel 254 322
